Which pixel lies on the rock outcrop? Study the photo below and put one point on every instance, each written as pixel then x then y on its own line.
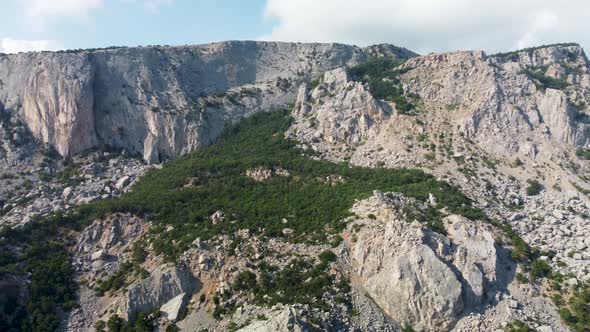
pixel 533 103
pixel 160 101
pixel 283 320
pixel 501 102
pixel 420 278
pixel 166 288
pixel 338 111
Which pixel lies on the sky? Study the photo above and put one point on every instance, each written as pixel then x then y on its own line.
pixel 423 26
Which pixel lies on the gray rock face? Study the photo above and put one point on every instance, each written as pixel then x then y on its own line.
pixel 283 320
pixel 160 101
pixel 338 111
pixel 420 278
pixel 499 105
pixel 163 288
pixel 492 101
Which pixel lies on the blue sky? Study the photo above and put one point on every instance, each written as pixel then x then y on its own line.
pixel 120 22
pixel 420 25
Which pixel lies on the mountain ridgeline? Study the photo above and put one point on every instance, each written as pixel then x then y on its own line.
pixel 160 101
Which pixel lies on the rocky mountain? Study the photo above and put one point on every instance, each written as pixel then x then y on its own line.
pixel 159 101
pixel 382 190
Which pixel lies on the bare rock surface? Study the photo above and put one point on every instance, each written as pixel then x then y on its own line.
pixel 284 320
pixel 159 101
pixel 161 287
pixel 420 279
pixel 431 281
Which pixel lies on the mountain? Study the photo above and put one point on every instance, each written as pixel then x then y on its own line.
pixel 159 101
pixel 257 186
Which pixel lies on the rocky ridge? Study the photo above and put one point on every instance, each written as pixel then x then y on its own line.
pixel 159 101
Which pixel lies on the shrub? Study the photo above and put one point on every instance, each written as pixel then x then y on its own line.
pixel 534 188
pixel 245 281
pixel 518 326
pixel 521 278
pixel 327 256
pixel 314 84
pixel 583 153
pixel 539 269
pixel 517 162
pixel 172 328
pixel 543 82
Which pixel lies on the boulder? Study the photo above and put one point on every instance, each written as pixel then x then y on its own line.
pixel 282 320
pixel 163 287
pixel 172 308
pixel 122 182
pixel 98 255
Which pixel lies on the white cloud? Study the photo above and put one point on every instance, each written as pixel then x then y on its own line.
pixel 151 5
pixel 431 25
pixel 9 45
pixel 40 12
pixel 542 23
pixel 154 5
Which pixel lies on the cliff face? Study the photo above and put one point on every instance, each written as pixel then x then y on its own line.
pixel 532 103
pixel 160 101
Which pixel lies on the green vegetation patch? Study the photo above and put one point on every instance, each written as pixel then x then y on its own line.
pixel 583 153
pixel 576 312
pixel 301 281
pixel 543 81
pixel 514 55
pixel 518 326
pixel 534 187
pixel 187 191
pixel 382 75
pixel 52 286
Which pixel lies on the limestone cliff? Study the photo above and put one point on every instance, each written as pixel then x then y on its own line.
pixel 160 101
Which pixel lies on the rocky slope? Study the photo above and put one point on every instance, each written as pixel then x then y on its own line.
pixel 510 130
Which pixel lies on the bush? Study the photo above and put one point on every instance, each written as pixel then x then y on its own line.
pixel 327 256
pixel 314 84
pixel 518 326
pixel 517 162
pixel 172 328
pixel 521 278
pixel 539 269
pixel 245 281
pixel 534 188
pixel 583 153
